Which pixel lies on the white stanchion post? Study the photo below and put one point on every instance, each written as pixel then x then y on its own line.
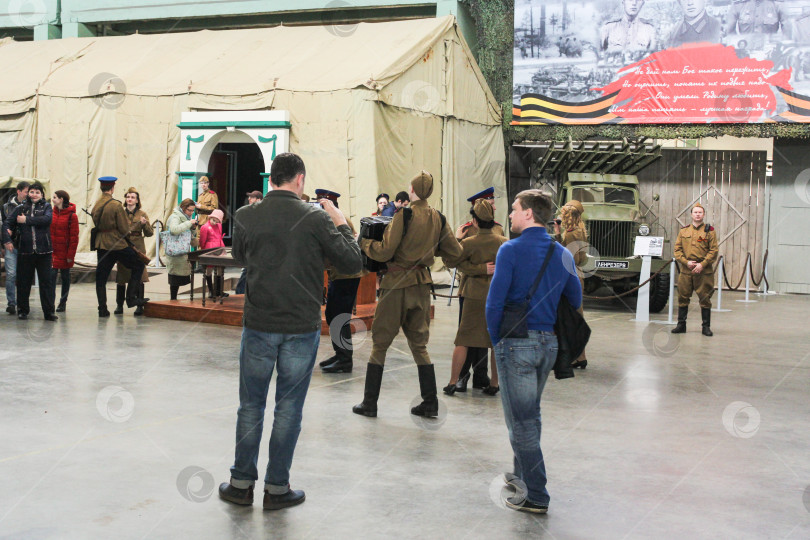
pixel 720 286
pixel 747 284
pixel 643 301
pixel 157 246
pixel 765 291
pixel 670 319
pixel 452 286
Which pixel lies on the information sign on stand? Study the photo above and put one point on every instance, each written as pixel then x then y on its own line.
pixel 647 247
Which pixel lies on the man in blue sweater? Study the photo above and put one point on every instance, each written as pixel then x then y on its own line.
pixel 524 364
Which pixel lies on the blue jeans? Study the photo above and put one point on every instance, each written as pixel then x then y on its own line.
pixel 523 368
pixel 11 277
pixel 293 356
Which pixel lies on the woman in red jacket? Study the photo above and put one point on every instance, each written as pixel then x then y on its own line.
pixel 65 239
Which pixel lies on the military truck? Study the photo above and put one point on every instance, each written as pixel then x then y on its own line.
pixel 613 218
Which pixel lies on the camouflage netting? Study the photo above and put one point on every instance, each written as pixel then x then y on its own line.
pixel 495 23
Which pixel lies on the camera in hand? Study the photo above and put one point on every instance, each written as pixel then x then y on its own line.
pixel 373 228
pixel 316 204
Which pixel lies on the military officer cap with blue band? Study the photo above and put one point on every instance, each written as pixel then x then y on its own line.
pixel 488 193
pixel 108 179
pixel 326 194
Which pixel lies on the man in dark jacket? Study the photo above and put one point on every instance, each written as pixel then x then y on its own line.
pixel 32 221
pixel 282 241
pixel 11 254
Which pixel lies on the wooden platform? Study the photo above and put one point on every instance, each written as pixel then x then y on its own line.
pixel 229 312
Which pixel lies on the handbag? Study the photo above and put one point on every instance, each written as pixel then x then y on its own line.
pixel 573 334
pixel 176 244
pixel 515 321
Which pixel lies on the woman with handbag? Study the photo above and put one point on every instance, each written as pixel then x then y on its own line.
pixel 570 231
pixel 178 224
pixel 139 227
pixel 65 240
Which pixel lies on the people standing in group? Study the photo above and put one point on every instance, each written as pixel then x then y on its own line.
pixel 572 234
pixel 476 359
pixel 65 241
pixel 477 261
pixel 524 363
pixel 289 240
pixel 10 252
pixel 207 201
pixel 139 227
pixel 340 296
pixel 177 266
pixel 31 222
pixel 405 293
pixel 211 236
pixel 253 197
pixel 696 249
pixel 113 227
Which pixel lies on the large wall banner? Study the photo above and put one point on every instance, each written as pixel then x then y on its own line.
pixel 661 61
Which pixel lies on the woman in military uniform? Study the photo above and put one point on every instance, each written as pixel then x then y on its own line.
pixel 571 233
pixel 478 254
pixel 139 227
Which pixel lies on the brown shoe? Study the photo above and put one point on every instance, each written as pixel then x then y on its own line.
pixel 235 495
pixel 293 497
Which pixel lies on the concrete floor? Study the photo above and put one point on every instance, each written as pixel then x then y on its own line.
pixel 123 428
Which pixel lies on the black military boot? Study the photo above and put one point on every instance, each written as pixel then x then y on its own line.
pixel 429 408
pixel 371 394
pixel 331 360
pixel 680 328
pixel 342 364
pixel 120 297
pixel 706 313
pixel 480 377
pixel 139 309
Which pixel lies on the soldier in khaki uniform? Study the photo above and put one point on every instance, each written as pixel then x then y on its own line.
pixel 477 251
pixel 113 228
pixel 405 292
pixel 476 356
pixel 573 235
pixel 695 251
pixel 207 202
pixel 138 229
pixel 340 298
pixel 756 17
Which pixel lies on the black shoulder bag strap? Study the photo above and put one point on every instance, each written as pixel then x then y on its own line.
pixel 101 212
pixel 539 277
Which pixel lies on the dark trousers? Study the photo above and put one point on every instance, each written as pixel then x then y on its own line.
pixel 27 264
pixel 106 262
pixel 240 285
pixel 65 274
pixel 340 303
pixel 477 358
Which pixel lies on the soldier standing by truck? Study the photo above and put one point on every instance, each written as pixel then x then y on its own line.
pixel 696 250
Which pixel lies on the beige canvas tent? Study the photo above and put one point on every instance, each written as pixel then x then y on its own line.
pixel 369 106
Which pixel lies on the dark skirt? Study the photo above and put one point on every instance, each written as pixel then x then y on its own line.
pixel 179 281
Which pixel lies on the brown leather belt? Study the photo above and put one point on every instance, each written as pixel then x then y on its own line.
pixel 135 234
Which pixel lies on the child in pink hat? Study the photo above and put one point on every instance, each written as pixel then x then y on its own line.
pixel 211 237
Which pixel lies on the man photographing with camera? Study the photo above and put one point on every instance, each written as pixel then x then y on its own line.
pixel 283 243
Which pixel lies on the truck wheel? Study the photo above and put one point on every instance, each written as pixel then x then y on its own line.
pixel 659 293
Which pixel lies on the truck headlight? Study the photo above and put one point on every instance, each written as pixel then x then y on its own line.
pixel 644 230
